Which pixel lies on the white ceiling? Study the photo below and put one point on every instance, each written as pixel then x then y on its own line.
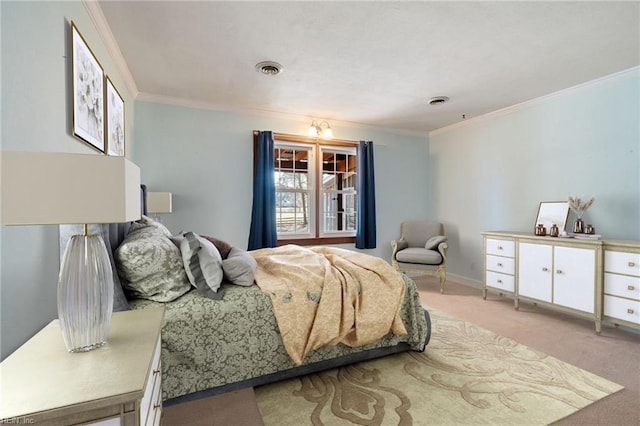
pixel 371 62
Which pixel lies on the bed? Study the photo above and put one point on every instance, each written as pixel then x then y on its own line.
pixel 214 346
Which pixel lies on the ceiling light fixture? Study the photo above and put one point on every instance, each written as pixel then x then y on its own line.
pixel 316 130
pixel 438 100
pixel 269 68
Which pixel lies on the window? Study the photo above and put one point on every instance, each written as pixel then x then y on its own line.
pixel 315 190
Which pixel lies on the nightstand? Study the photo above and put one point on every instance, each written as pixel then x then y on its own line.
pixel 117 384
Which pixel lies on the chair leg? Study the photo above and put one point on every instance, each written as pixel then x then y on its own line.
pixel 442 274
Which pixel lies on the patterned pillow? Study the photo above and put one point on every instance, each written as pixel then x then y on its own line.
pixel 239 267
pixel 203 264
pixel 150 265
pixel 146 222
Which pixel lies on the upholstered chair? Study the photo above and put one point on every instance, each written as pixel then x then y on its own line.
pixel 422 248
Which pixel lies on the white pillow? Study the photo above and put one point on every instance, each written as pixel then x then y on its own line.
pixel 203 264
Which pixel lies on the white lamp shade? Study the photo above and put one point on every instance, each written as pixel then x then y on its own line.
pixel 159 202
pixel 45 188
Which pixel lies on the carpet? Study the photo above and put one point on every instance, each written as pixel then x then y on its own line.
pixel 466 376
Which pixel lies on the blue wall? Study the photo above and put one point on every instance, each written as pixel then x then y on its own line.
pixel 36 116
pixel 205 159
pixel 492 172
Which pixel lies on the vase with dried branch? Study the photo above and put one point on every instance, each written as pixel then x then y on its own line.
pixel 579 206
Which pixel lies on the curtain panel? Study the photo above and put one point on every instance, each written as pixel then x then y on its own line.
pixel 263 231
pixel 366 193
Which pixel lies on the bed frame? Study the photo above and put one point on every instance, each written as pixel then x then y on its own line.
pixel 116 234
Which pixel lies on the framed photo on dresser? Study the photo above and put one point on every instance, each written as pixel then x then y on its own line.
pixel 553 213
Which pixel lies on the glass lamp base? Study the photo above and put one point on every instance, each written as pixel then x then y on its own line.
pixel 85 293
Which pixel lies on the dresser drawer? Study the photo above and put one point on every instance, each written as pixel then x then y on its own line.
pixel 622 263
pixel 155 413
pixel 500 281
pixel 624 309
pixel 151 389
pixel 622 285
pixel 504 265
pixel 501 247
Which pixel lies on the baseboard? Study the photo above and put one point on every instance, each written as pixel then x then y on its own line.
pixel 460 279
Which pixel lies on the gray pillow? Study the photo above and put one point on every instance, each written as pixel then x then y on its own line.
pixel 203 264
pixel 150 265
pixel 223 247
pixel 239 267
pixel 434 242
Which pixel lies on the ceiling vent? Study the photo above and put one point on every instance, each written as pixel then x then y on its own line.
pixel 438 100
pixel 269 68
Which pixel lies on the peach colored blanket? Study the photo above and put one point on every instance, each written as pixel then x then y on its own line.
pixel 324 296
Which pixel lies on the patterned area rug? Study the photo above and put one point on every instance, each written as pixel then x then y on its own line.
pixel 467 376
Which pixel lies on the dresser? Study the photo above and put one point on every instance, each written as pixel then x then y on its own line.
pixel 117 384
pixel 499 264
pixel 596 279
pixel 622 283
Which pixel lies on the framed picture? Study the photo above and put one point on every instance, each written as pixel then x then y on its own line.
pixel 114 128
pixel 87 84
pixel 553 212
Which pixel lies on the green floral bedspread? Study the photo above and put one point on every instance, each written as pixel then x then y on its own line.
pixel 208 343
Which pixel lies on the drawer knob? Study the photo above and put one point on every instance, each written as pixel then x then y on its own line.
pixel 558 271
pixel 500 265
pixel 500 248
pixel 545 269
pixel 499 281
pixel 630 287
pixel 630 311
pixel 631 264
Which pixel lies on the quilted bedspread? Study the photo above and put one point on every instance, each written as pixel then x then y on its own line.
pixel 209 343
pixel 323 296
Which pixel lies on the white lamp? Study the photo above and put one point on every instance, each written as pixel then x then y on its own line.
pixel 74 188
pixel 159 203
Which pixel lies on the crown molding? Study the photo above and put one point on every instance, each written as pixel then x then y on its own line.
pixel 303 118
pixel 100 22
pixel 537 101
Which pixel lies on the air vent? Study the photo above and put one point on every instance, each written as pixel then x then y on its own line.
pixel 269 68
pixel 438 100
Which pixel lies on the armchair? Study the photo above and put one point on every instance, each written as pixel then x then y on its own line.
pixel 422 248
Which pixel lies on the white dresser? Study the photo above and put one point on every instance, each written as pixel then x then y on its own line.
pixel 568 274
pixel 117 384
pixel 499 264
pixel 622 283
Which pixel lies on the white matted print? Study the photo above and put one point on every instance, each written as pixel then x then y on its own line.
pixel 88 92
pixel 115 121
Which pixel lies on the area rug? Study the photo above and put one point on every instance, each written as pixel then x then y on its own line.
pixel 466 376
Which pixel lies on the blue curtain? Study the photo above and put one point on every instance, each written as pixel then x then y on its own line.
pixel 366 190
pixel 263 214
